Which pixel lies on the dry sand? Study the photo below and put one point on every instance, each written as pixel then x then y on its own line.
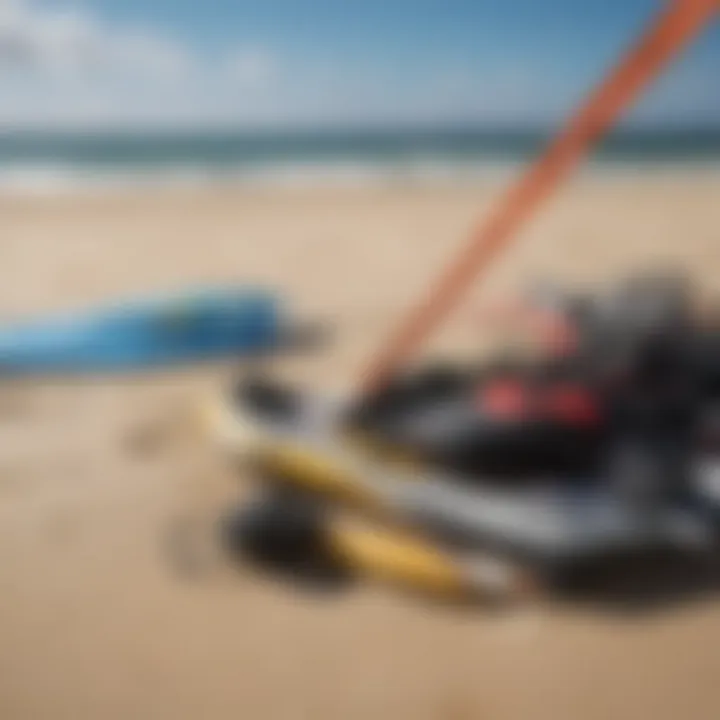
pixel 92 622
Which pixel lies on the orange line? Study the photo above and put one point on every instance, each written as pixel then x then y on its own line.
pixel 674 27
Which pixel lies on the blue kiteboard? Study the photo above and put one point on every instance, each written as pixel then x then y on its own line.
pixel 147 333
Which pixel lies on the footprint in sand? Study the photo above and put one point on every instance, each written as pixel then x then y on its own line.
pixel 11 480
pixel 157 436
pixel 17 403
pixel 61 527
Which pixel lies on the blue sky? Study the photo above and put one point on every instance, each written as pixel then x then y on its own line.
pixel 329 62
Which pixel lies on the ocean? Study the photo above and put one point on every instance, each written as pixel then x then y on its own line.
pixel 49 162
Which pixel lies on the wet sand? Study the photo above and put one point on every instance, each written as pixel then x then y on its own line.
pixel 93 624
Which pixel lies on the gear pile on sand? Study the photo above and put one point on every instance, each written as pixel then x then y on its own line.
pixel 597 451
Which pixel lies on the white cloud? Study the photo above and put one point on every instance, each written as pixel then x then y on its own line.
pixel 71 42
pixel 250 67
pixel 66 66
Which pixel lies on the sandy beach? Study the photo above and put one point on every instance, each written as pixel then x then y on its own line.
pixel 93 623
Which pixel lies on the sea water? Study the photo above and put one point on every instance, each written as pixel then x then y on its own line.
pixel 49 162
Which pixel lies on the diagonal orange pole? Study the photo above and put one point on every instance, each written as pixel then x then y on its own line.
pixel 674 28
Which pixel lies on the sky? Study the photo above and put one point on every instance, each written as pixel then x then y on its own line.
pixel 324 63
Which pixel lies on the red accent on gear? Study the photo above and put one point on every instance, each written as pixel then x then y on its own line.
pixel 507 399
pixel 573 404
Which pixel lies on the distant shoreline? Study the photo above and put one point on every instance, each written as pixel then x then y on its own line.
pixel 35 162
pixel 48 179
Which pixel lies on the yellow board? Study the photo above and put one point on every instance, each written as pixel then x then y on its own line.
pixel 387 550
pixel 397 557
pixel 309 471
